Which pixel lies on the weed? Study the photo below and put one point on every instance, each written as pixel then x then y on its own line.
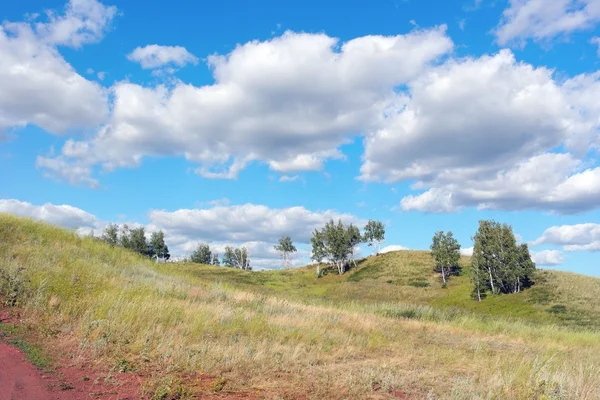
pixel 66 386
pixel 167 388
pixel 123 366
pixel 557 309
pixel 420 284
pixel 33 352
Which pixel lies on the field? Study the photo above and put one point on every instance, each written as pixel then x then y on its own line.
pixel 384 330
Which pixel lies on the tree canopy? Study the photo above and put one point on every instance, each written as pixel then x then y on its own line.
pixel 445 251
pixel 286 248
pixel 374 234
pixel 498 265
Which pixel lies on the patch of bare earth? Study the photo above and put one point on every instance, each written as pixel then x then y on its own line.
pixel 75 376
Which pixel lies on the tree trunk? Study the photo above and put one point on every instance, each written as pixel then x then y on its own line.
pixel 443 275
pixel 491 281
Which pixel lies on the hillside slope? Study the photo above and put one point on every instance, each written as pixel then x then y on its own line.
pixel 285 334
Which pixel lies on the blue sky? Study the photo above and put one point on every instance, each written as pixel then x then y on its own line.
pixel 238 122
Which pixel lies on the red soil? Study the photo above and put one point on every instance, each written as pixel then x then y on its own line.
pixel 77 378
pixel 67 380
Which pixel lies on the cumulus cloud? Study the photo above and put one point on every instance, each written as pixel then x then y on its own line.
pixel 580 237
pixel 38 86
pixel 84 21
pixel 481 132
pixel 547 257
pixel 63 215
pixel 244 223
pixel 289 102
pixel 257 227
pixel 393 247
pixel 544 20
pixel 468 251
pixel 154 56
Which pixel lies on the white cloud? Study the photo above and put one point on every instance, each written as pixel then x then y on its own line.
pixel 287 178
pixel 76 175
pixel 580 237
pixel 480 132
pixel 84 21
pixel 154 56
pixel 289 102
pixel 468 251
pixel 545 20
pixel 38 86
pixel 256 227
pixel 243 223
pixel 101 75
pixel 596 40
pixel 393 247
pixel 62 215
pixel 547 257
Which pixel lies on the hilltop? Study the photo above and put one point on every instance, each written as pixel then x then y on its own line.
pixel 385 329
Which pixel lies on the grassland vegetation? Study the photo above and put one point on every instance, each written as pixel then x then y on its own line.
pixel 370 333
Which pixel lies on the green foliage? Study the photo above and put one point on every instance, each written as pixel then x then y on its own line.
pixel 374 234
pixel 158 246
pixel 445 250
pixel 135 240
pixel 237 258
pixel 166 388
pixel 202 254
pixel 13 285
pixel 335 244
pixel 111 235
pixel 498 264
pixel 34 353
pixel 286 248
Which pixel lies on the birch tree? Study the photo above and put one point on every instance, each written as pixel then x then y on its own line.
pixel 286 248
pixel 319 252
pixel 507 268
pixel 158 247
pixel 374 234
pixel 202 254
pixel 445 251
pixel 354 239
pixel 111 234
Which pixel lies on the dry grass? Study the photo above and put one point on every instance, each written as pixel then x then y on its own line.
pixel 286 334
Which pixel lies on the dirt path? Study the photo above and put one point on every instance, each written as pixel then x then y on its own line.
pixel 18 378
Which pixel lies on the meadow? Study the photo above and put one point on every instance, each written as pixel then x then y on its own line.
pixel 383 330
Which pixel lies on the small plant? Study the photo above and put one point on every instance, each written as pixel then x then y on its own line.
pixel 419 284
pixel 167 388
pixel 66 386
pixel 557 309
pixel 219 384
pixel 124 366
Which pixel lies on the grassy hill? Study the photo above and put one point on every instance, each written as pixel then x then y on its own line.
pixel 386 329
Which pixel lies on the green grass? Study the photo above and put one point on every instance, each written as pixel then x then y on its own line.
pixel 386 325
pixel 34 352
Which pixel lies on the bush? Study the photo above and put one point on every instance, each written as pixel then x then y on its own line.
pixel 13 286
